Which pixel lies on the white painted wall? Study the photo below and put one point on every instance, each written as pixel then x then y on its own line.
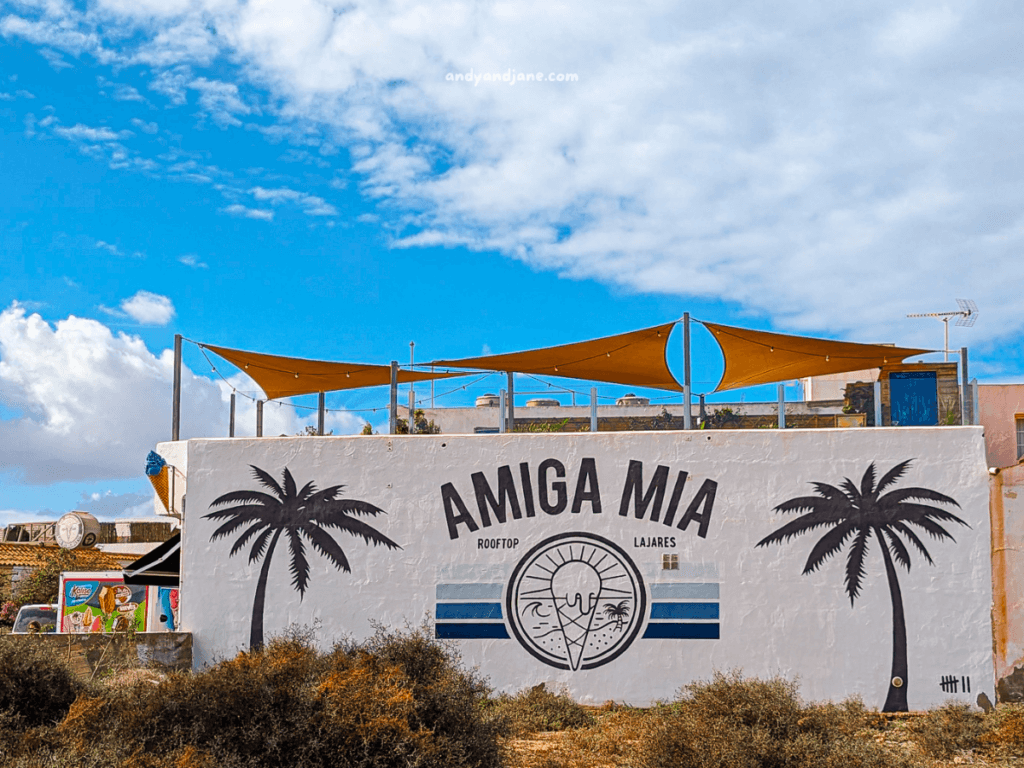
pixel 772 619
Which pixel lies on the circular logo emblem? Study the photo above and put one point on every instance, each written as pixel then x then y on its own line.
pixel 576 601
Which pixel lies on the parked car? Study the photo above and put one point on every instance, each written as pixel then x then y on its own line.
pixel 36 618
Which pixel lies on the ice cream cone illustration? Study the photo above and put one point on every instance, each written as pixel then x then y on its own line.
pixel 107 599
pixel 575 587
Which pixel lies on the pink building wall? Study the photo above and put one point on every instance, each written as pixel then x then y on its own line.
pixel 998 408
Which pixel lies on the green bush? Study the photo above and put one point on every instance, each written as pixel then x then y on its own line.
pixel 732 722
pixel 538 709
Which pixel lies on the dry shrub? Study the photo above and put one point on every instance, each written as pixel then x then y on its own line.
pixel 732 722
pixel 35 685
pixel 949 729
pixel 448 698
pixel 400 700
pixel 538 709
pixel 1005 729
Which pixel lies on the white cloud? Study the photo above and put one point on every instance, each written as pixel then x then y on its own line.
pixel 220 100
pixel 826 166
pixel 148 308
pixel 190 260
pixel 249 213
pixel 311 204
pixel 79 132
pixel 92 404
pixel 144 126
pixel 113 250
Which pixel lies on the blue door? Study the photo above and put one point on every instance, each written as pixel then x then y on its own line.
pixel 913 399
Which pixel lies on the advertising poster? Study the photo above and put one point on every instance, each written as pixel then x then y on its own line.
pixel 101 603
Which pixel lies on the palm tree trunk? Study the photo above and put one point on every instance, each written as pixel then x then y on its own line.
pixel 896 701
pixel 256 631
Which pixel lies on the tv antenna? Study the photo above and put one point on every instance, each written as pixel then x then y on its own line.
pixel 965 318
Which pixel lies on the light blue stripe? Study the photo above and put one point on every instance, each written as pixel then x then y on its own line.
pixel 681 591
pixel 469 591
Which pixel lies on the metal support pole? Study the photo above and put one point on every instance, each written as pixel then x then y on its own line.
pixel 321 409
pixel 511 402
pixel 412 412
pixel 259 418
pixel 878 403
pixel 431 388
pixel 231 418
pixel 687 416
pixel 176 393
pixel 501 412
pixel 393 409
pixel 975 416
pixel 593 409
pixel 966 415
pixel 703 412
pixel 782 406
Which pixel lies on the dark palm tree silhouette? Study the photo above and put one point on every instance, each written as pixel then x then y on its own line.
pixel 295 514
pixel 860 513
pixel 619 612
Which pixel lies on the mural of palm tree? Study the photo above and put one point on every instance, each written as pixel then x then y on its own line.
pixel 294 514
pixel 619 612
pixel 861 513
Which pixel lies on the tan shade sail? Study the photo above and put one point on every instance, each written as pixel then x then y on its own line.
pixel 759 357
pixel 290 376
pixel 635 359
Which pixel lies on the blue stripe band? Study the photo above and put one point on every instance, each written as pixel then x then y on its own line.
pixel 469 591
pixel 469 611
pixel 681 632
pixel 701 591
pixel 684 610
pixel 471 631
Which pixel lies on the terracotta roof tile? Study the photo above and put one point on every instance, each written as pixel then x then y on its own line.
pixel 13 554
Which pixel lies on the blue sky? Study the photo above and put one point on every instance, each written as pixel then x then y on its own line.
pixel 304 178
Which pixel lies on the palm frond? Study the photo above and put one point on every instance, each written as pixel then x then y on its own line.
pixel 855 563
pixel 234 524
pixel 802 524
pixel 259 546
pixel 249 497
pixel 289 484
pixel 897 547
pixel 307 490
pixel 812 503
pixel 850 491
pixel 892 475
pixel 327 494
pixel 345 507
pixel 325 544
pixel 908 511
pixel 267 480
pixel 933 528
pixel 367 532
pixel 299 566
pixel 867 483
pixel 242 509
pixel 906 531
pixel 919 494
pixel 828 491
pixel 244 538
pixel 828 545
